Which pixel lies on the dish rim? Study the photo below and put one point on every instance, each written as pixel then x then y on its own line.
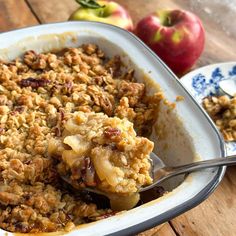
pixel 197 70
pixel 207 190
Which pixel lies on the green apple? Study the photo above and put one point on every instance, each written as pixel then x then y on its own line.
pixel 103 11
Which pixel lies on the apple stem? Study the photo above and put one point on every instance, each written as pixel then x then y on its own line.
pixel 168 21
pixel 101 13
pixel 89 4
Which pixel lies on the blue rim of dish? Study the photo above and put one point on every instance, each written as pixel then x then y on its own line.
pixel 204 193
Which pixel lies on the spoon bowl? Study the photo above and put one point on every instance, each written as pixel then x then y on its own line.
pixel 228 86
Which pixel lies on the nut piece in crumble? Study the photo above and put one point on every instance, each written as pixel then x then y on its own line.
pixel 222 110
pixel 104 153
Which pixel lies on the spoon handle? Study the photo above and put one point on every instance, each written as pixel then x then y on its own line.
pixel 167 172
pixel 172 171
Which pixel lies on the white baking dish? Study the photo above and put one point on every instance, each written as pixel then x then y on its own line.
pixel 187 133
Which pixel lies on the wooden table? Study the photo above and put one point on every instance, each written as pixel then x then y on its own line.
pixel 215 216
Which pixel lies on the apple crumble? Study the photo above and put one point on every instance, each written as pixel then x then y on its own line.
pixel 67 96
pixel 222 110
pixel 104 152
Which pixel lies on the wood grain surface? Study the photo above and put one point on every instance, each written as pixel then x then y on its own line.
pixel 53 10
pixel 216 40
pixel 15 14
pixel 215 216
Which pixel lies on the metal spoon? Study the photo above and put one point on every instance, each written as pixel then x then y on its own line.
pixel 159 172
pixel 228 86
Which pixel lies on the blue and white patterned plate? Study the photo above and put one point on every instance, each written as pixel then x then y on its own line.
pixel 205 82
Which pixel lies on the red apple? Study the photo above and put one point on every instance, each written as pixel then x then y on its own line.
pixel 176 36
pixel 103 11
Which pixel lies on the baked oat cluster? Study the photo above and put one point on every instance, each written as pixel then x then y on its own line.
pixel 39 93
pixel 222 110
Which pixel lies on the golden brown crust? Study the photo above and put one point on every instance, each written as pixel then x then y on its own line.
pixel 38 94
pixel 222 110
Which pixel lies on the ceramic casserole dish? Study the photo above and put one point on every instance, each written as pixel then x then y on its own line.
pixel 187 134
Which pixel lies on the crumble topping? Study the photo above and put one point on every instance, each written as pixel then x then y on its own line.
pixel 222 110
pixel 39 93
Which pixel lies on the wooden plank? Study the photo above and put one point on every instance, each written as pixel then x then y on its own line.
pixel 219 45
pixel 216 41
pixel 15 14
pixel 162 230
pixel 166 230
pixel 216 215
pixel 53 10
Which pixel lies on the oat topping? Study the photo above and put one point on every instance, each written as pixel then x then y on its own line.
pixel 39 93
